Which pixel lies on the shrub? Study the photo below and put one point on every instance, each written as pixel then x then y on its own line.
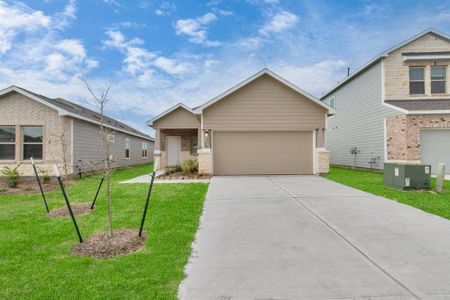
pixel 12 175
pixel 44 175
pixel 189 166
pixel 173 169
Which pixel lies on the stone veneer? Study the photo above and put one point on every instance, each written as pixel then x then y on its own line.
pixel 403 134
pixel 322 161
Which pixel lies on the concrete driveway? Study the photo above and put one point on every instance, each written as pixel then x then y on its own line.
pixel 305 237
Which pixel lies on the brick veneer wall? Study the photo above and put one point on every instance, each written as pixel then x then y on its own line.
pixel 403 134
pixel 18 110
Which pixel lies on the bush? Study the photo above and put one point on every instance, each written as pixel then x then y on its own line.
pixel 189 166
pixel 173 169
pixel 12 175
pixel 44 175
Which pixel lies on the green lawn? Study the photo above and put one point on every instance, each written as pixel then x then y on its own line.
pixel 372 182
pixel 35 259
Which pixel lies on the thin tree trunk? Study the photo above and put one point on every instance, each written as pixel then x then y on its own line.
pixel 108 191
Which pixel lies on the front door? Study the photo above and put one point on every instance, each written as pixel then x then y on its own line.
pixel 173 150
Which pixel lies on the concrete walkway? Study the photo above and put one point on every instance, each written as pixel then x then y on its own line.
pixel 305 237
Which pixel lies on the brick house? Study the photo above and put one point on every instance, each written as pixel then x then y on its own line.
pixel 394 108
pixel 47 129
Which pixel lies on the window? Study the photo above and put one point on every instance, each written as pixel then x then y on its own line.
pixel 144 150
pixel 193 144
pixel 33 141
pixel 438 80
pixel 7 143
pixel 127 148
pixel 416 80
pixel 332 102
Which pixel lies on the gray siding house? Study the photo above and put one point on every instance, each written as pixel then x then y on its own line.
pixel 54 130
pixel 396 108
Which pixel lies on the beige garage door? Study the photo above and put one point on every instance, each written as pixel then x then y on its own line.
pixel 272 152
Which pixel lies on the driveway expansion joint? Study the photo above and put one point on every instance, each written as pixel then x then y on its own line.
pixel 298 200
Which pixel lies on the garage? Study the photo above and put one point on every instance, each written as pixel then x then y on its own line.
pixel 435 148
pixel 263 152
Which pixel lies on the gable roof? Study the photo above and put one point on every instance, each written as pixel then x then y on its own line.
pixel 265 71
pixel 67 108
pixel 166 112
pixel 383 55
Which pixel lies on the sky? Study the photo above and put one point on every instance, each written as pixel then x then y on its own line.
pixel 154 54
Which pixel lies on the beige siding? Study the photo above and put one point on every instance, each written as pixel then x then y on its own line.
pixel 88 146
pixel 18 110
pixel 282 152
pixel 264 104
pixel 396 72
pixel 179 118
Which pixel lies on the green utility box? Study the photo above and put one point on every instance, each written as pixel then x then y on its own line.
pixel 407 176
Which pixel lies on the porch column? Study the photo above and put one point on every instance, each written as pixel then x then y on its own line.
pixel 157 150
pixel 205 163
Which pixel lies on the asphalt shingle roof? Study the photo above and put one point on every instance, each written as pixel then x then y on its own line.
pixel 421 104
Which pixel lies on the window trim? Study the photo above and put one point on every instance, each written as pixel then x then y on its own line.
pixel 330 100
pixel 10 143
pixel 144 150
pixel 423 80
pixel 445 79
pixel 23 143
pixel 127 143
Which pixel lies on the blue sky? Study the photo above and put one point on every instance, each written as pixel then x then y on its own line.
pixel 158 53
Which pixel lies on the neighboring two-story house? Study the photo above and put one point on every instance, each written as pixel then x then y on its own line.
pixel 394 108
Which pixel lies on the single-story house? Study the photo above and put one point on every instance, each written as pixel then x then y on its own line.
pixel 395 108
pixel 51 129
pixel 263 125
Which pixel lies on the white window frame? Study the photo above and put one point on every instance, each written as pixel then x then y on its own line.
pixel 10 143
pixel 23 143
pixel 445 80
pixel 332 102
pixel 127 147
pixel 144 148
pixel 409 78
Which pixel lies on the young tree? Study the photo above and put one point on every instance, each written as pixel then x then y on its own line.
pixel 61 139
pixel 101 100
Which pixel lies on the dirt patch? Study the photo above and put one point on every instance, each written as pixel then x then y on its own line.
pixel 101 245
pixel 77 208
pixel 27 187
pixel 181 176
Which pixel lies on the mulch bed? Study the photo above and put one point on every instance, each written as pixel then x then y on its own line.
pixel 102 246
pixel 78 209
pixel 27 187
pixel 181 176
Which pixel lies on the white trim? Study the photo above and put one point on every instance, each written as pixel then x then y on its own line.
pixel 383 82
pixel 395 107
pixel 63 112
pixel 385 137
pixel 428 112
pixel 426 57
pixel 168 111
pixel 71 144
pixel 314 152
pixel 127 140
pixel 382 55
pixel 257 75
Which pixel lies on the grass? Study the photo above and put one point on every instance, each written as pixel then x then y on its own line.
pixel 372 182
pixel 35 259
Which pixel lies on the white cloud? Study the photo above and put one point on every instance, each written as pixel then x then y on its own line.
pixel 279 22
pixel 165 9
pixel 72 47
pixel 196 29
pixel 63 19
pixel 315 78
pixel 139 61
pixel 18 18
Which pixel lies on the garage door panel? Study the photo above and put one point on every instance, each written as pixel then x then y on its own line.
pixel 239 153
pixel 435 148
